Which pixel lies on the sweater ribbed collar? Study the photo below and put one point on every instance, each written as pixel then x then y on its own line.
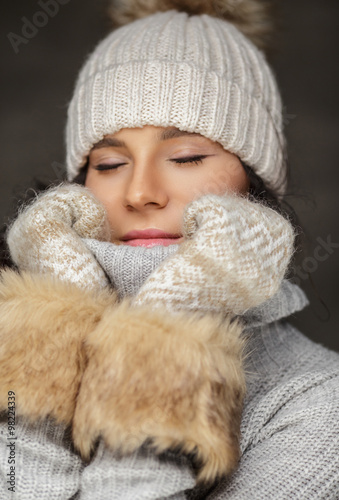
pixel 128 267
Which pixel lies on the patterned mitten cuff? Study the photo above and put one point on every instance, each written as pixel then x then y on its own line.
pixel 46 236
pixel 235 256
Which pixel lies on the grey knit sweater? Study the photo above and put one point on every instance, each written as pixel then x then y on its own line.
pixel 290 425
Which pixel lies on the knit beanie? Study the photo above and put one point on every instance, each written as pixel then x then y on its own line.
pixel 172 67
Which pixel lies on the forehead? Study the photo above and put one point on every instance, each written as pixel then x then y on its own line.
pixel 160 136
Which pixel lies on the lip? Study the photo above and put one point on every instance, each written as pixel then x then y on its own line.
pixel 147 234
pixel 152 242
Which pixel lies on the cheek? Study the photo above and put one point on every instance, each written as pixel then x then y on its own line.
pixel 102 192
pixel 99 187
pixel 235 178
pixel 220 178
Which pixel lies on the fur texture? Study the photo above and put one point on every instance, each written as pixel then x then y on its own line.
pixel 252 17
pixel 130 375
pixel 175 380
pixel 43 322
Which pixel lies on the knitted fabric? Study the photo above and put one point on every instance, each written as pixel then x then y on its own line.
pixel 290 429
pixel 234 255
pixel 128 267
pixel 197 73
pixel 232 249
pixel 44 237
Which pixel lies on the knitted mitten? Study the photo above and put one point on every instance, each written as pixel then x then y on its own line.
pixel 172 373
pixel 234 257
pixel 52 317
pixel 46 236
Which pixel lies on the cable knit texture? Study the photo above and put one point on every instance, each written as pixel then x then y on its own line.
pixel 197 73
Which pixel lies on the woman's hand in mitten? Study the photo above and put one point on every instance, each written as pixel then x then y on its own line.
pixel 162 370
pixel 46 236
pixel 235 256
pixel 43 325
pixel 167 373
pixel 52 317
pixel 175 381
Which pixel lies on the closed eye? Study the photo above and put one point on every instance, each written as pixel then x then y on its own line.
pixel 192 159
pixel 102 167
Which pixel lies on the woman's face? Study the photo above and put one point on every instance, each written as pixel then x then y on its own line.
pixel 146 176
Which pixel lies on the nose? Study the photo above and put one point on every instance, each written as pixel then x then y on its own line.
pixel 144 187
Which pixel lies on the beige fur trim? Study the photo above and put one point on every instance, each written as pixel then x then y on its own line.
pixel 176 379
pixel 254 18
pixel 43 322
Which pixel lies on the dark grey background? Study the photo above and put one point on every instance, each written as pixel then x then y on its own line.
pixel 37 84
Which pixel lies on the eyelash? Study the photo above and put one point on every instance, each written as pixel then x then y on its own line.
pixel 192 159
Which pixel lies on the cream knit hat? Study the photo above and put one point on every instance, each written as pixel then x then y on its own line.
pixel 198 73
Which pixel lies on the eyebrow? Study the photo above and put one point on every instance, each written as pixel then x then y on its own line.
pixel 165 135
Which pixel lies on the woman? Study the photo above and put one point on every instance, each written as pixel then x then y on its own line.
pixel 123 353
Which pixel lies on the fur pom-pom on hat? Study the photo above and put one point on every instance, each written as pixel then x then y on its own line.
pixel 252 17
